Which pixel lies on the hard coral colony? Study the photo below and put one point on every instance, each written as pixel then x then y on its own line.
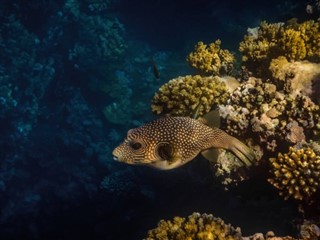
pixel 183 95
pixel 296 173
pixel 274 108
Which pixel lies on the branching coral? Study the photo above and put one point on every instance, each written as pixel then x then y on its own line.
pixel 183 95
pixel 296 173
pixel 195 227
pixel 211 59
pixel 292 40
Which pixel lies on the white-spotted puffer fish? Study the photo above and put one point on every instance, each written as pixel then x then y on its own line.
pixel 170 142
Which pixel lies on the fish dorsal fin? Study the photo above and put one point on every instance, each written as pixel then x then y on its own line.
pixel 211 154
pixel 211 119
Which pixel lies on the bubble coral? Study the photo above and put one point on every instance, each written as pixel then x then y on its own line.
pixel 183 95
pixel 211 59
pixel 195 227
pixel 296 174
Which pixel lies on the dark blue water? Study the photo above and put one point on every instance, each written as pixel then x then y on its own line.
pixel 75 75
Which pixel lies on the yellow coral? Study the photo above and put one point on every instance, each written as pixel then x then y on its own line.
pixel 195 227
pixel 296 173
pixel 295 41
pixel 182 96
pixel 292 44
pixel 279 68
pixel 211 59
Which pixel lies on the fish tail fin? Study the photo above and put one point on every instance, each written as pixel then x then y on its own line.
pixel 238 148
pixel 242 151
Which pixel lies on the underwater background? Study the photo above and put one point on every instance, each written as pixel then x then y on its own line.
pixel 76 75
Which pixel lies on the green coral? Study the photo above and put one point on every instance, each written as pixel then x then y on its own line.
pixel 295 41
pixel 183 96
pixel 296 174
pixel 211 59
pixel 195 227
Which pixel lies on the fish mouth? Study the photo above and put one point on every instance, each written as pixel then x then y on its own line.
pixel 116 158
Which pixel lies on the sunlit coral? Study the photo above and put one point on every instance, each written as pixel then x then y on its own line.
pixel 195 227
pixel 296 174
pixel 211 59
pixel 295 41
pixel 298 77
pixel 183 96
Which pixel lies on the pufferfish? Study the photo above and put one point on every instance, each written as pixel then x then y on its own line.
pixel 170 142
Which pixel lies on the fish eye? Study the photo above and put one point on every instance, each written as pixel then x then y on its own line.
pixel 136 145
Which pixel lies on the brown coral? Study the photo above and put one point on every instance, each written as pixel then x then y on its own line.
pixel 211 59
pixel 259 110
pixel 309 231
pixel 182 96
pixel 296 173
pixel 196 227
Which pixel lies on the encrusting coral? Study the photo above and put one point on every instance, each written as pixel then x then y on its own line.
pixel 295 41
pixel 196 227
pixel 211 59
pixel 300 77
pixel 183 96
pixel 309 231
pixel 259 110
pixel 296 174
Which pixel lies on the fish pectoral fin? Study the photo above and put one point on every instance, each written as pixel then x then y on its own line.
pixel 211 154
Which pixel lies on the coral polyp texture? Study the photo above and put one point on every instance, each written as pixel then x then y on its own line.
pixel 293 40
pixel 259 110
pixel 183 96
pixel 296 174
pixel 295 77
pixel 196 227
pixel 211 59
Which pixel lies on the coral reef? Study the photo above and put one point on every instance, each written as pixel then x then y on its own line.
pixel 296 174
pixel 183 96
pixel 97 6
pixel 207 227
pixel 197 226
pixel 268 236
pixel 295 77
pixel 211 59
pixel 295 41
pixel 309 231
pixel 101 40
pixel 259 110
